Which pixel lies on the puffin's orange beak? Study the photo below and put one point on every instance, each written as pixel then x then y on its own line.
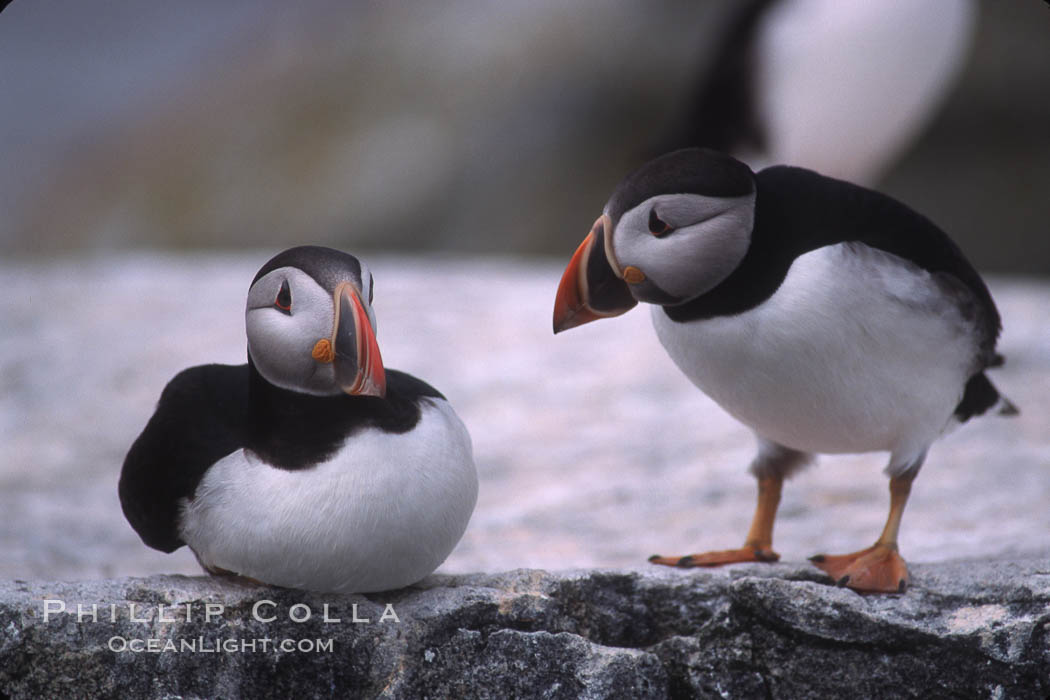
pixel 356 359
pixel 591 288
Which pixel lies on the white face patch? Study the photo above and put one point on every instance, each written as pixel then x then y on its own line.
pixel 280 343
pixel 709 237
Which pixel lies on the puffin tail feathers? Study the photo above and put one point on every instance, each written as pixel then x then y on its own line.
pixel 1006 407
pixel 979 396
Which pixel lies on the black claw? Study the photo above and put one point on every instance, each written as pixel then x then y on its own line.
pixel 817 558
pixel 685 562
pixel 902 587
pixel 654 557
pixel 766 555
pixel 842 581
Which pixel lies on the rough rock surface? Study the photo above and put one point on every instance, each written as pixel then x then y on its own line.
pixel 969 629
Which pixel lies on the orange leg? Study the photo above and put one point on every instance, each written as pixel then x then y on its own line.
pixel 879 568
pixel 759 543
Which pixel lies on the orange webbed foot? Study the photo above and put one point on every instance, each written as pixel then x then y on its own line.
pixel 877 569
pixel 718 558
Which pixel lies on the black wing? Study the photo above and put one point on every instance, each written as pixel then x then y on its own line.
pixel 201 417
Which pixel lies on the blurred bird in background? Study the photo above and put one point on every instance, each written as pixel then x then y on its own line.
pixel 224 125
pixel 839 86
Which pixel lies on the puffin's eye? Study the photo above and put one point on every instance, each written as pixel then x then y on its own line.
pixel 657 226
pixel 284 298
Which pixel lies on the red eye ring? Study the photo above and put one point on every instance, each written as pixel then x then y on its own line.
pixel 657 226
pixel 283 301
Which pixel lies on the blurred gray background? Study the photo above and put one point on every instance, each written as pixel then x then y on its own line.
pixel 453 126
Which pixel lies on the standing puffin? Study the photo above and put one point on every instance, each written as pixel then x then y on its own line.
pixel 310 466
pixel 824 316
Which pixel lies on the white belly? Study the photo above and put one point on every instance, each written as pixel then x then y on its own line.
pixel 856 351
pixel 382 514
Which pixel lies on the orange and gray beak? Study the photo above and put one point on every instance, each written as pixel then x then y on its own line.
pixel 591 287
pixel 355 353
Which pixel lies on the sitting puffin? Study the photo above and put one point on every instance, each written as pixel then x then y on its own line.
pixel 310 466
pixel 824 316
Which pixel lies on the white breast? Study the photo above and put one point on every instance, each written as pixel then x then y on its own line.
pixel 382 514
pixel 857 351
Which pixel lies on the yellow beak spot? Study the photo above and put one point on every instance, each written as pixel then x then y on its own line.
pixel 632 275
pixel 322 351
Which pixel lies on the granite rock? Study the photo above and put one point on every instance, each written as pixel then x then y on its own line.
pixel 968 629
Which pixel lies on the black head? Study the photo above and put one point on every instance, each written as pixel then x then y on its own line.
pixel 327 266
pixel 699 171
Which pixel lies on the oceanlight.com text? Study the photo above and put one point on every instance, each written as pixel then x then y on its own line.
pixel 203 645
